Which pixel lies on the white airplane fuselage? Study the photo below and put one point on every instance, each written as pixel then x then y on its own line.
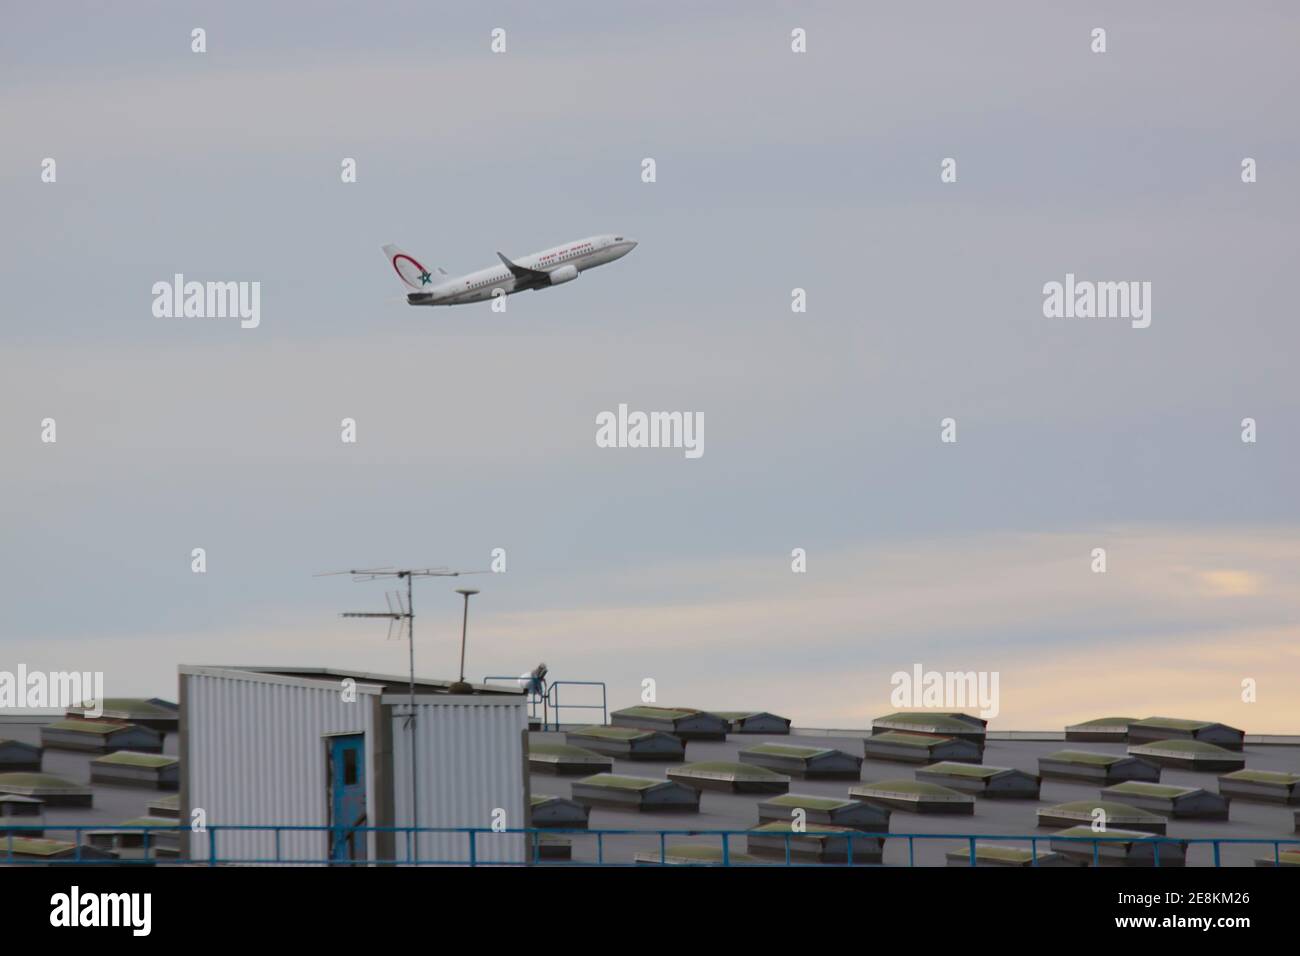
pixel 553 266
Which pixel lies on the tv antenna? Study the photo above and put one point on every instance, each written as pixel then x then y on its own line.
pixel 398 614
pixel 401 618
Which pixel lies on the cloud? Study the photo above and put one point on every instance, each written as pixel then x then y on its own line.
pixel 1144 638
pixel 1229 583
pixel 476 429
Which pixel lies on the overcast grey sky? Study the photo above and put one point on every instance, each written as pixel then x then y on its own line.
pixel 476 429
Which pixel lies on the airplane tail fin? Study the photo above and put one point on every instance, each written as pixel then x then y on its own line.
pixel 413 275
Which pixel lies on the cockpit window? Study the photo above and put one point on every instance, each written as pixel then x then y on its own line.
pixel 618 238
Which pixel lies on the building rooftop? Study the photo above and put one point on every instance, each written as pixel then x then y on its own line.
pixel 112 803
pixel 130 758
pixel 133 708
pixel 383 683
pixel 993 819
pixel 87 726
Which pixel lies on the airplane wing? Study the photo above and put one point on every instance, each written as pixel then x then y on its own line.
pixel 524 273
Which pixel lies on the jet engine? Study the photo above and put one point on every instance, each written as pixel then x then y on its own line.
pixel 563 274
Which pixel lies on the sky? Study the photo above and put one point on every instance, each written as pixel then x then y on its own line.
pixel 775 170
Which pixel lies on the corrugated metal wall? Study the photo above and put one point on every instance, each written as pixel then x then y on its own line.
pixel 471 763
pixel 256 756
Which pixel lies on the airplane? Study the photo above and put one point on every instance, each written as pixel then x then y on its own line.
pixel 540 270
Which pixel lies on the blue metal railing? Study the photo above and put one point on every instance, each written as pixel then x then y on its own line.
pixel 550 700
pixel 553 696
pixel 534 698
pixel 205 845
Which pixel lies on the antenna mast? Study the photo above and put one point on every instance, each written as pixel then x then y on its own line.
pixel 403 618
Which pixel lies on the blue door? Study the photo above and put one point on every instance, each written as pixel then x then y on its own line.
pixel 347 797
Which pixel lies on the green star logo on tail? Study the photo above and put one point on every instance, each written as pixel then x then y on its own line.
pixel 425 278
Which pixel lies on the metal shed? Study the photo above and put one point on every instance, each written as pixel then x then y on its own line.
pixel 993 854
pixel 126 768
pixel 26 851
pixel 621 792
pixel 1122 816
pixel 982 780
pixel 1261 786
pixel 559 812
pixel 810 763
pixel 21 812
pixel 99 736
pixel 902 747
pixel 1175 728
pixel 628 743
pixel 130 840
pixel 265 746
pixel 914 796
pixel 730 777
pixel 685 723
pixel 934 724
pixel 1113 730
pixel 566 760
pixel 822 843
pixel 832 811
pixel 694 854
pixel 1091 767
pixel 1187 803
pixel 1118 847
pixel 16 756
pixel 1189 755
pixel 12 805
pixel 54 791
pixel 754 721
pixel 152 712
pixel 169 806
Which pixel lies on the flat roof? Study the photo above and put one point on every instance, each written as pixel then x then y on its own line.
pixel 791 750
pixel 904 739
pixel 658 713
pixel 1264 776
pixel 993 820
pixel 726 769
pixel 27 784
pixel 905 787
pixel 611 732
pixel 142 708
pixel 100 727
pixel 1139 788
pixel 809 801
pixel 941 722
pixel 1180 723
pixel 368 682
pixel 565 750
pixel 1103 722
pixel 1190 747
pixel 112 802
pixel 129 758
pixel 1090 757
pixel 957 769
pixel 1271 759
